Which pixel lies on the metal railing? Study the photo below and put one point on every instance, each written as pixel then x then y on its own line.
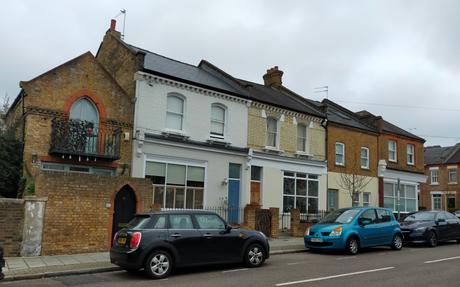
pixel 82 138
pixel 285 218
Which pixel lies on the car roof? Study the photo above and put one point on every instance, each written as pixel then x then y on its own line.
pixel 176 211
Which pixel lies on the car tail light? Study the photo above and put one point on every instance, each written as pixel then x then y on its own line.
pixel 135 240
pixel 115 238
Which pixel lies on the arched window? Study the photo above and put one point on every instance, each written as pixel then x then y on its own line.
pixel 84 110
pixel 174 112
pixel 217 121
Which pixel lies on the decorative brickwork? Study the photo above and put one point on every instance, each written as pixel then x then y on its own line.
pixel 79 211
pixel 11 224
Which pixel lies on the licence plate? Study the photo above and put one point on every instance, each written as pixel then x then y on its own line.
pixel 122 240
pixel 314 239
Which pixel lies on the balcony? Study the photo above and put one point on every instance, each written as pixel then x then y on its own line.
pixel 84 139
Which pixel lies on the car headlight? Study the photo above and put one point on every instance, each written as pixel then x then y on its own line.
pixel 307 232
pixel 336 231
pixel 420 229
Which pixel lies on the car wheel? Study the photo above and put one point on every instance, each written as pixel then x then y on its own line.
pixel 397 242
pixel 255 256
pixel 352 245
pixel 432 239
pixel 158 265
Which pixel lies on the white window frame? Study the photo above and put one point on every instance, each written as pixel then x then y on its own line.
pixel 438 196
pixel 276 146
pixel 305 139
pixel 409 154
pixel 366 158
pixel 343 153
pixel 404 198
pixel 449 170
pixel 390 150
pixel 434 171
pixel 224 123
pixel 182 98
pixel 367 203
pixel 307 177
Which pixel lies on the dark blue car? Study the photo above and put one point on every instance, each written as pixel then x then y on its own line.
pixel 350 229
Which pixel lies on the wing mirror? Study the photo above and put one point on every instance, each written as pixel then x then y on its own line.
pixel 228 228
pixel 364 221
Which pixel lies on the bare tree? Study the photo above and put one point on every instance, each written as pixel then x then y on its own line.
pixel 353 183
pixel 5 104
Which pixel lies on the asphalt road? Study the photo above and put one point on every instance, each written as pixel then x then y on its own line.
pixel 412 266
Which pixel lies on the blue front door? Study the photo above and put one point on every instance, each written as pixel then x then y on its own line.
pixel 234 175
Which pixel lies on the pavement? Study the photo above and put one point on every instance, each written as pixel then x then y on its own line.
pixel 376 267
pixel 22 268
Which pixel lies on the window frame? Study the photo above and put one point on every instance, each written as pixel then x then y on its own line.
pixel 307 178
pixel 367 203
pixel 409 162
pixel 276 133
pixel 432 172
pixel 437 196
pixel 403 197
pixel 395 151
pixel 223 123
pixel 343 154
pixel 367 158
pixel 449 179
pixel 168 112
pixel 303 139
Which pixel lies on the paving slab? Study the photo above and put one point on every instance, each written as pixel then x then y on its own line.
pixel 84 258
pixel 51 261
pixel 34 262
pixel 67 259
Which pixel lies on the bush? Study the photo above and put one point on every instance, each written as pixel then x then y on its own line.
pixel 10 164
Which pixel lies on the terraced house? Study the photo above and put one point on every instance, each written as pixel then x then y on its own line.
pixel 208 139
pixel 442 190
pixel 401 164
pixel 352 156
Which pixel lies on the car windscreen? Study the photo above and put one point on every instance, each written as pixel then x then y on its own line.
pixel 138 222
pixel 341 216
pixel 421 216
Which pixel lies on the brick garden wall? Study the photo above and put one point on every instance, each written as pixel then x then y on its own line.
pixel 79 210
pixel 11 225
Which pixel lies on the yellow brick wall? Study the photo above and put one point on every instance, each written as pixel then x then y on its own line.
pixel 257 132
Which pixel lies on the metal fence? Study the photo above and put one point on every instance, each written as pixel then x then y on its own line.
pixel 285 218
pixel 232 215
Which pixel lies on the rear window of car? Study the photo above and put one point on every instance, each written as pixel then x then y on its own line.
pixel 180 221
pixel 139 222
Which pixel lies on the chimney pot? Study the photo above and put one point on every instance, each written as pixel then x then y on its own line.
pixel 273 77
pixel 113 24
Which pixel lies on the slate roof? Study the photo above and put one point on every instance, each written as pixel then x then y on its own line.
pixel 170 68
pixel 387 126
pixel 340 115
pixel 209 76
pixel 442 155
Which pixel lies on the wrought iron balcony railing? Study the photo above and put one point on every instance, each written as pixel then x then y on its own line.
pixel 82 138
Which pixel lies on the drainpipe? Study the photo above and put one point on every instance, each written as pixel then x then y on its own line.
pixel 324 125
pixel 2 263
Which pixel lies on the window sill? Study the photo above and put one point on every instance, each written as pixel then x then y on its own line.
pixel 411 164
pixel 393 161
pixel 365 168
pixel 177 133
pixel 303 154
pixel 452 183
pixel 340 164
pixel 273 149
pixel 222 141
pixel 434 183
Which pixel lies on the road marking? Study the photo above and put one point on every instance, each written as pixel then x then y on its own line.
pixel 443 259
pixel 294 263
pixel 333 276
pixel 235 270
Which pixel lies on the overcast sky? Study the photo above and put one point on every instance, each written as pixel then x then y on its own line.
pixel 398 59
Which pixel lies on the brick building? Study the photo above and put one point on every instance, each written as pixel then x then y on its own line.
pixel 75 120
pixel 352 157
pixel 442 189
pixel 401 160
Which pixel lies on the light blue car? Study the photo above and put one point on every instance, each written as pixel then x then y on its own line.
pixel 353 228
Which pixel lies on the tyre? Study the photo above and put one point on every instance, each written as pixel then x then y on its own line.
pixel 352 245
pixel 458 240
pixel 254 256
pixel 158 265
pixel 432 239
pixel 397 242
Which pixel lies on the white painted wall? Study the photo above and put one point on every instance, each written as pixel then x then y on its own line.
pixel 150 113
pixel 344 197
pixel 216 164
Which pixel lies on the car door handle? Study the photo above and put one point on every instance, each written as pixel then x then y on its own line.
pixel 176 235
pixel 207 235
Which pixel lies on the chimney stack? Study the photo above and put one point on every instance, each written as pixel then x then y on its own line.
pixel 113 24
pixel 273 77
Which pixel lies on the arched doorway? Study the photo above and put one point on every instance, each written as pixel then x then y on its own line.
pixel 124 208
